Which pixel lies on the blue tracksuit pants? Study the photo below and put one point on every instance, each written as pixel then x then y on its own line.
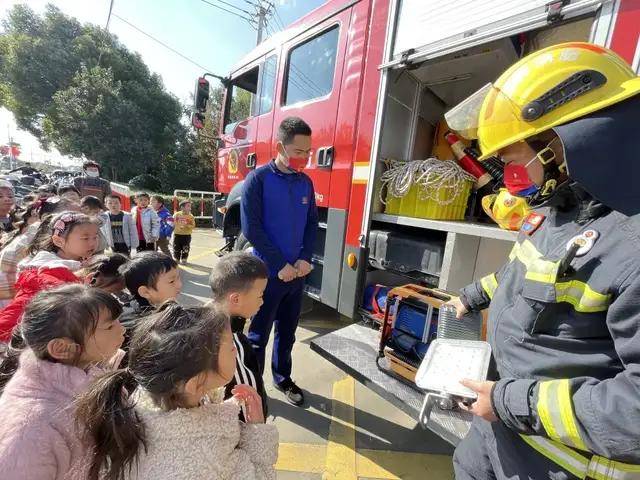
pixel 282 303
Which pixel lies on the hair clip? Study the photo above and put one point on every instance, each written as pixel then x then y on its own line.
pixel 61 223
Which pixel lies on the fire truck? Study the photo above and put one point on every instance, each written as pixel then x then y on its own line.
pixel 373 79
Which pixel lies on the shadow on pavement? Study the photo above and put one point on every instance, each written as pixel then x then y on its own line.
pixel 374 432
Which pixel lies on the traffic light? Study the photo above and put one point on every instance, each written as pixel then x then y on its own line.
pixel 201 96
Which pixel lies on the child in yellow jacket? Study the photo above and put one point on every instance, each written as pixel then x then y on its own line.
pixel 184 222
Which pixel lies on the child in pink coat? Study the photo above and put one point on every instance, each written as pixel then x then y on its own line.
pixel 67 337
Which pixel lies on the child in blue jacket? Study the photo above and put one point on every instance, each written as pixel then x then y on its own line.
pixel 166 224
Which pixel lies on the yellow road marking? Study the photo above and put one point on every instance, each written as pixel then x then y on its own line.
pixel 339 460
pixel 341 445
pixel 403 465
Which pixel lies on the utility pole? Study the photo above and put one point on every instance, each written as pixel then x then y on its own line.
pixel 109 16
pixel 262 22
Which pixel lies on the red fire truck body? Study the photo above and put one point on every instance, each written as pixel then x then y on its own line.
pixel 372 78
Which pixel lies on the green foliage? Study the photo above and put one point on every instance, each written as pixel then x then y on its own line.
pixel 146 181
pixel 240 105
pixel 77 87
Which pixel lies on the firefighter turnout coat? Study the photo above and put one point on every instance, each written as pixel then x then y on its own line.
pixel 565 332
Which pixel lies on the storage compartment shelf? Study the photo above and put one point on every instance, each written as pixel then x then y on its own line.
pixel 466 228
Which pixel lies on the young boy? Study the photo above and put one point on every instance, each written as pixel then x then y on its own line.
pixel 237 282
pixel 147 222
pixel 124 235
pixel 185 223
pixel 166 224
pixel 93 207
pixel 152 278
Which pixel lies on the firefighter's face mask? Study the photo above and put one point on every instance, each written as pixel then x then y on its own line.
pixel 516 175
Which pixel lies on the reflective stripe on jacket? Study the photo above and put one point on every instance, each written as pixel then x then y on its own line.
pixel 567 345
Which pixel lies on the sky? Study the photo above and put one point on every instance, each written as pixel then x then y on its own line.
pixel 210 37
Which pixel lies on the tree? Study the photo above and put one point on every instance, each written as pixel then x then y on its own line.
pixel 193 163
pixel 75 86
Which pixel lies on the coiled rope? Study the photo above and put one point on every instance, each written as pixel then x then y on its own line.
pixel 434 176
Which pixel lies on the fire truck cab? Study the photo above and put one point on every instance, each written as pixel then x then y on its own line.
pixel 373 78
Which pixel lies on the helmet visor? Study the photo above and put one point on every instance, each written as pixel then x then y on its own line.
pixel 492 118
pixel 464 117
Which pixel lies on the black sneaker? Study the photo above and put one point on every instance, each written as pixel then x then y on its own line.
pixel 291 391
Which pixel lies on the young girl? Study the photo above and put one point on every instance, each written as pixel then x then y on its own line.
pixel 66 338
pixel 16 247
pixel 174 431
pixel 71 238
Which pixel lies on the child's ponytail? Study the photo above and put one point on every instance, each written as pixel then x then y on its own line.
pixel 107 415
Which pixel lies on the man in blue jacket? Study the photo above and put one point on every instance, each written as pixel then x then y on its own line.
pixel 280 219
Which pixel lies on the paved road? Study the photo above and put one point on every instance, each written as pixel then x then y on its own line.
pixel 345 431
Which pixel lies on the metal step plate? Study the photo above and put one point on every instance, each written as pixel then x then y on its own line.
pixel 354 349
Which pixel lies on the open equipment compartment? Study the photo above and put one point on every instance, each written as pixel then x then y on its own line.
pixel 416 98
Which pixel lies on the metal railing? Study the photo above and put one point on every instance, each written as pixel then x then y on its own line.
pixel 196 196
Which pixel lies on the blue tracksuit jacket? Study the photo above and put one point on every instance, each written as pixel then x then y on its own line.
pixel 279 216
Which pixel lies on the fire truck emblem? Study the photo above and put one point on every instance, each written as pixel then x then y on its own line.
pixel 232 164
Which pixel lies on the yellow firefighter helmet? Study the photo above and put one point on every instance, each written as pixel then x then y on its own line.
pixel 507 210
pixel 547 88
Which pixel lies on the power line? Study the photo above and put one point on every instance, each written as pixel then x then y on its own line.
pixel 275 11
pixel 161 43
pixel 248 19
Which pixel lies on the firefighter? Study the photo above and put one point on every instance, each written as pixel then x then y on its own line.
pixel 564 311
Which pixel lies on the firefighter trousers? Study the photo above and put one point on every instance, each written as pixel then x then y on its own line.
pixel 491 451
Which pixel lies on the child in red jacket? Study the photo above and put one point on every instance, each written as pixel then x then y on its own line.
pixel 70 238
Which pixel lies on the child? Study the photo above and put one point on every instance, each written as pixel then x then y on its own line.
pixel 93 207
pixel 147 222
pixel 166 224
pixel 16 247
pixel 124 234
pixel 71 238
pixel 67 336
pixel 7 202
pixel 174 430
pixel 185 223
pixel 69 192
pixel 237 283
pixel 104 272
pixel 152 278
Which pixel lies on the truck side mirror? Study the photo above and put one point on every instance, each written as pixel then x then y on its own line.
pixel 201 95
